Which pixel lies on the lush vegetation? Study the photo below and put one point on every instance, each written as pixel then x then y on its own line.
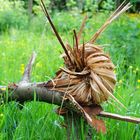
pixel 19 37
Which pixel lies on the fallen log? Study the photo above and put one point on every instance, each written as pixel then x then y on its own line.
pixel 27 91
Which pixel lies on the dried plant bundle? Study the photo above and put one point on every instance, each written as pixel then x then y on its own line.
pixel 88 74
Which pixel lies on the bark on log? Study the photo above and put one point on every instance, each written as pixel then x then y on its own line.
pixel 26 92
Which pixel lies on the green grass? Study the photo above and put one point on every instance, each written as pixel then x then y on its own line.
pixel 39 120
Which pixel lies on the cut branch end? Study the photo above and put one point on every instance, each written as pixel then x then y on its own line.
pixel 27 72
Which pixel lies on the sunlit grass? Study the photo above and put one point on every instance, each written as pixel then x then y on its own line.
pixel 39 120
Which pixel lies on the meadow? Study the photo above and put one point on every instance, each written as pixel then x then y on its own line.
pixel 38 120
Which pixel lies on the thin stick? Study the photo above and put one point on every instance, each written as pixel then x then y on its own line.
pixel 119 117
pixel 76 41
pixel 54 29
pixel 83 54
pixel 121 9
pixel 81 28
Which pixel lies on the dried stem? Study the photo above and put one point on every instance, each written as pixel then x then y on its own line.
pixel 81 28
pixel 121 9
pixel 76 41
pixel 54 29
pixel 119 117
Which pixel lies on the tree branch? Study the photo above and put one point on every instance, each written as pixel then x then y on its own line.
pixel 27 72
pixel 119 117
pixel 27 92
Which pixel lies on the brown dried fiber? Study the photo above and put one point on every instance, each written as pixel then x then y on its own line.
pixel 88 74
pixel 89 80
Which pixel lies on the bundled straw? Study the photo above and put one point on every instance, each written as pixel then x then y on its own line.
pixel 88 74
